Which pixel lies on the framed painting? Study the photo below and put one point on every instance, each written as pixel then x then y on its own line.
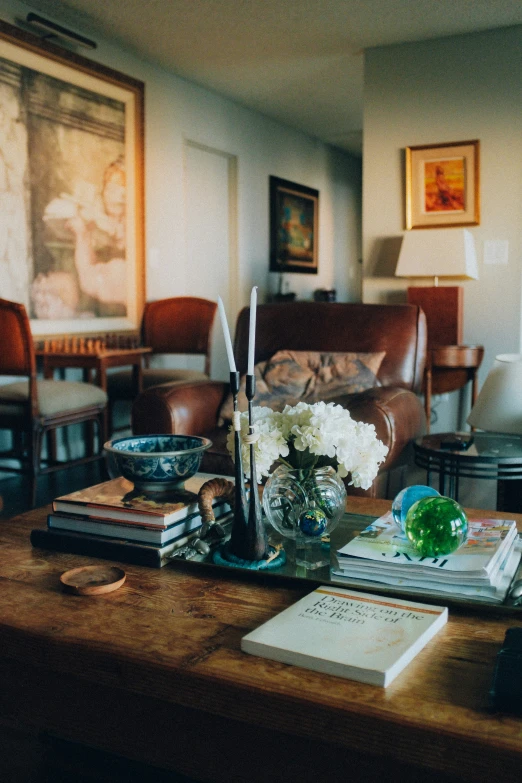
pixel 71 189
pixel 442 185
pixel 294 215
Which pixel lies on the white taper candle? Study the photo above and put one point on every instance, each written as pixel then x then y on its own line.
pixel 226 334
pixel 252 331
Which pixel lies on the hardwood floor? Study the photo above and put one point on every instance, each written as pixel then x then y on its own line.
pixel 15 490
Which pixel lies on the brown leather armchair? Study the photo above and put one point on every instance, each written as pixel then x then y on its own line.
pixel 394 406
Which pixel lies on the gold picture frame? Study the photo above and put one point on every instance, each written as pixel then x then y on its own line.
pixel 442 185
pixel 71 189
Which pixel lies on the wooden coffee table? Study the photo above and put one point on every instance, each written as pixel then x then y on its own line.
pixel 153 672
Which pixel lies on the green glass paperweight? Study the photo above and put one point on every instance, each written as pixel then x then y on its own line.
pixel 436 526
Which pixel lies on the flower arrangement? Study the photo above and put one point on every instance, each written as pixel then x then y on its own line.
pixel 308 436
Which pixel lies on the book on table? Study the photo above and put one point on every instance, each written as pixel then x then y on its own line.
pixel 339 631
pixel 117 499
pixel 111 520
pixel 481 568
pixel 132 532
pixel 135 552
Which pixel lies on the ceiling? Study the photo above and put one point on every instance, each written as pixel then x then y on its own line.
pixel 299 62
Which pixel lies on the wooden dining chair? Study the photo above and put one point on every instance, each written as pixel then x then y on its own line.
pixel 31 408
pixel 179 325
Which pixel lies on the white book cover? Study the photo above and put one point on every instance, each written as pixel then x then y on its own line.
pixel 495 592
pixel 360 636
pixel 383 545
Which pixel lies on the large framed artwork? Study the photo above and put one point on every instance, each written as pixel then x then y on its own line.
pixel 71 189
pixel 294 215
pixel 442 185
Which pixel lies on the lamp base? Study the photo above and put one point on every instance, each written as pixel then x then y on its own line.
pixel 443 307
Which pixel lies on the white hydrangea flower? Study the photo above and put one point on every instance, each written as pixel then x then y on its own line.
pixel 271 443
pixel 322 430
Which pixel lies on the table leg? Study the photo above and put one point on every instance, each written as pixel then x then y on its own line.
pixel 137 377
pixel 442 478
pixel 474 390
pixel 52 450
pixel 455 496
pixel 509 496
pixel 453 479
pixel 101 377
pixel 427 397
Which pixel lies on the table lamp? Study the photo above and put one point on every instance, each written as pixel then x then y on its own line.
pixel 499 404
pixel 448 253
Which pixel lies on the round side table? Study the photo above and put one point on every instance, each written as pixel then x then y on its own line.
pixel 448 368
pixel 491 456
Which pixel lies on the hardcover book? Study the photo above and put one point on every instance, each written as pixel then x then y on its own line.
pixel 134 532
pixel 107 548
pixel 343 632
pixel 117 499
pixel 118 547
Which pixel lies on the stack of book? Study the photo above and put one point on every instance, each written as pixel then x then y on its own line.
pixel 112 520
pixel 481 569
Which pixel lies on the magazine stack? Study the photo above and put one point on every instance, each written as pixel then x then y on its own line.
pixel 481 569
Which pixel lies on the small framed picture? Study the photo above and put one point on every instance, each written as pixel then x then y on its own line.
pixel 294 215
pixel 442 185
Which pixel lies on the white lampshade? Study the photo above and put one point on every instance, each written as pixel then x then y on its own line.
pixel 448 252
pixel 499 405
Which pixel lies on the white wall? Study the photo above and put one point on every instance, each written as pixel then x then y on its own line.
pixel 177 111
pixel 452 89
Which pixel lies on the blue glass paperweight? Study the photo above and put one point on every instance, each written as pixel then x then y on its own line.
pixel 313 522
pixel 436 526
pixel 406 498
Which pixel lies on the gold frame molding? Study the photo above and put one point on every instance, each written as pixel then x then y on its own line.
pixel 26 60
pixel 432 205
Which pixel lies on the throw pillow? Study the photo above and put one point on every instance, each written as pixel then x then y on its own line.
pixel 289 377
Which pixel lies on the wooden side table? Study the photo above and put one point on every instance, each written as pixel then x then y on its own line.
pixel 448 368
pixel 97 362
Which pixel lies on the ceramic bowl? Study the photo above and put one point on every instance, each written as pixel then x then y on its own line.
pixel 156 463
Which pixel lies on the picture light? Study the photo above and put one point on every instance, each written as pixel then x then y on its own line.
pixel 53 30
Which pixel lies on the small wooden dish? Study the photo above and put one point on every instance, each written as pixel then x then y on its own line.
pixel 93 580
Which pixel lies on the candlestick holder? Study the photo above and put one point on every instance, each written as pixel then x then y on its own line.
pixel 240 500
pixel 248 546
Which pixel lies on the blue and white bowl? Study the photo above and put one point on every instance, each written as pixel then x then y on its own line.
pixel 156 463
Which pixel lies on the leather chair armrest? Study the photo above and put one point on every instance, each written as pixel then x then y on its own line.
pixel 397 414
pixel 178 408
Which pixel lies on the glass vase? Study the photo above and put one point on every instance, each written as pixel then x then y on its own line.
pixel 305 506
